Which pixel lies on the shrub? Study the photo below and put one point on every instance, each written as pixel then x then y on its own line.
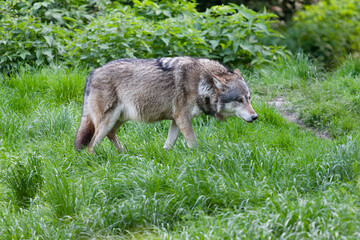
pixel 329 30
pixel 233 34
pixel 36 33
pixel 237 35
pixel 25 40
pixel 123 33
pixel 284 9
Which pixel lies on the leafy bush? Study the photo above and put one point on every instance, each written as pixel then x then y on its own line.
pixel 123 33
pixel 284 9
pixel 236 34
pixel 328 30
pixel 162 9
pixel 68 13
pixel 25 40
pixel 232 34
pixel 37 32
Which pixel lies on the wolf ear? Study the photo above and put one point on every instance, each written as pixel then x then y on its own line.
pixel 219 81
pixel 218 84
pixel 237 72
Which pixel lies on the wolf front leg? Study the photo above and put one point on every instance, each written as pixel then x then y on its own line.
pixel 185 125
pixel 172 135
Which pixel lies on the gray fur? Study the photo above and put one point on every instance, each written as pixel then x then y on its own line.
pixel 150 90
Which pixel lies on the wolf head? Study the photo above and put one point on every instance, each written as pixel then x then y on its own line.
pixel 225 95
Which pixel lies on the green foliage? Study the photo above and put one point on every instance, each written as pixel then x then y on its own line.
pixel 284 9
pixel 162 9
pixel 36 33
pixel 25 40
pixel 232 34
pixel 236 35
pixel 122 33
pixel 329 30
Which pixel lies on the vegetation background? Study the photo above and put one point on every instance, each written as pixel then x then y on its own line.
pixel 272 179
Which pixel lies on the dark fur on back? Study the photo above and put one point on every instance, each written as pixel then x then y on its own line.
pixel 162 65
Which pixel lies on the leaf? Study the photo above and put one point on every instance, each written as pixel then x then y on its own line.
pixel 248 47
pixel 262 27
pixel 104 46
pixel 236 45
pixel 49 39
pixel 24 53
pixel 248 14
pixel 48 53
pixel 125 44
pixel 147 47
pixel 230 36
pixel 166 41
pixel 37 6
pixel 213 33
pixel 167 13
pixel 197 25
pixel 69 19
pixel 38 62
pixel 214 44
pixel 229 58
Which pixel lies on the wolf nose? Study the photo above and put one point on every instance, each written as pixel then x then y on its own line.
pixel 254 117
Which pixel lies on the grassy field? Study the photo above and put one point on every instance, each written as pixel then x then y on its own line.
pixel 267 180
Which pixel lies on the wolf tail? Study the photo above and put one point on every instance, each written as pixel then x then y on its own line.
pixel 84 133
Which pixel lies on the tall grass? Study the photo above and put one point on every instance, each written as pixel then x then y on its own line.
pixel 24 178
pixel 326 101
pixel 270 179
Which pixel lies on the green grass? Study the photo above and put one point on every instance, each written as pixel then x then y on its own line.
pixel 266 180
pixel 328 101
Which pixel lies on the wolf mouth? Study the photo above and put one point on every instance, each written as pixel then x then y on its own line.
pixel 246 120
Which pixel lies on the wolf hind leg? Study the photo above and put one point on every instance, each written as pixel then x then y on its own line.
pixel 113 137
pixel 103 127
pixel 172 135
pixel 184 123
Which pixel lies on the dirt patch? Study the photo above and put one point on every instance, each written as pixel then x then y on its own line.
pixel 280 102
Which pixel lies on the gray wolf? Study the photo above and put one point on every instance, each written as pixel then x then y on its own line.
pixel 150 90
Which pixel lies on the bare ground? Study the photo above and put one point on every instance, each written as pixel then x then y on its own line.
pixel 279 102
